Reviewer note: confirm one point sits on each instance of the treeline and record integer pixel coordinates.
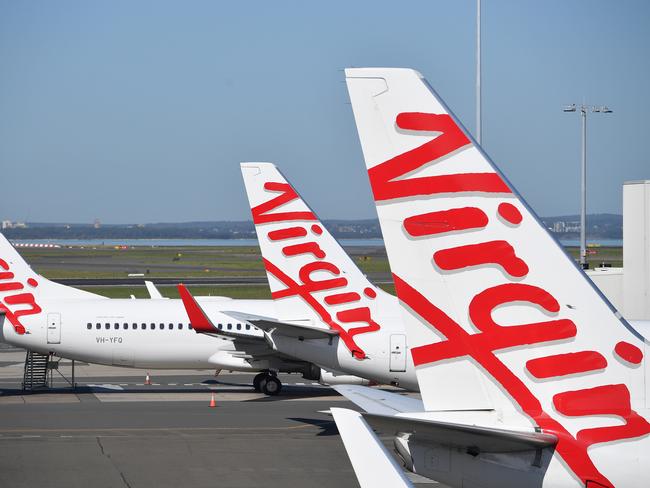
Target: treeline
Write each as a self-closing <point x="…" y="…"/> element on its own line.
<point x="606" y="226"/>
<point x="185" y="230"/>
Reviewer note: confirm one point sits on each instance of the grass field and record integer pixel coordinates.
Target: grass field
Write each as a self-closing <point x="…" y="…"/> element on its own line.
<point x="189" y="262"/>
<point x="242" y="291"/>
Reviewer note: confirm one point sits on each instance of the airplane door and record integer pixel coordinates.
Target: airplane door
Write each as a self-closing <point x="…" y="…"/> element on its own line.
<point x="53" y="328"/>
<point x="398" y="352"/>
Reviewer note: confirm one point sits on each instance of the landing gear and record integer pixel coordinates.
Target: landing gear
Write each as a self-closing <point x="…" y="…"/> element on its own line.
<point x="258" y="380"/>
<point x="271" y="385"/>
<point x="267" y="383"/>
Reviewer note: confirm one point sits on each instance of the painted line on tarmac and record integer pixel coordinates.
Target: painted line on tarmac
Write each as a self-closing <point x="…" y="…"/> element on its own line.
<point x="315" y="425"/>
<point x="106" y="386"/>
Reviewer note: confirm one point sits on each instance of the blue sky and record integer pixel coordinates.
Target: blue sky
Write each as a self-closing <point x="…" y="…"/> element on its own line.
<point x="141" y="111"/>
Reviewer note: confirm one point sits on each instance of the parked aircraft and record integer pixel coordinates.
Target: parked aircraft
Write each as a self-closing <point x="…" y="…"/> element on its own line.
<point x="327" y="321"/>
<point x="46" y="317"/>
<point x="528" y="376"/>
<point x="326" y="310"/>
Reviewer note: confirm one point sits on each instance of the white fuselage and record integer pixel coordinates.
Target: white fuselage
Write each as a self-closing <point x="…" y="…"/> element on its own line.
<point x="124" y="332"/>
<point x="155" y="333"/>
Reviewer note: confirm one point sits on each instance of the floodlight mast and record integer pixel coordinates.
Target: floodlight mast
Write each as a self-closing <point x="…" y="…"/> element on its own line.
<point x="583" y="173"/>
<point x="479" y="124"/>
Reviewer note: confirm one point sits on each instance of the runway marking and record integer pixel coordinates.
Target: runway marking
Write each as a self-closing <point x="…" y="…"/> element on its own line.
<point x="165" y="429"/>
<point x="107" y="386"/>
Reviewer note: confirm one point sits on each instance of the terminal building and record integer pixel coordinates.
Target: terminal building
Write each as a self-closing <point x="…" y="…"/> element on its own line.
<point x="628" y="288"/>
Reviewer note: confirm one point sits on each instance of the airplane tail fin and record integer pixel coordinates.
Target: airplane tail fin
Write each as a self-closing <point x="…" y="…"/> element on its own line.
<point x="485" y="288"/>
<point x="311" y="276"/>
<point x="21" y="289"/>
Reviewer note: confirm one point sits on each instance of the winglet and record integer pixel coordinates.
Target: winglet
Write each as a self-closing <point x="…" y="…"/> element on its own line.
<point x="199" y="320"/>
<point x="372" y="463"/>
<point x="153" y="291"/>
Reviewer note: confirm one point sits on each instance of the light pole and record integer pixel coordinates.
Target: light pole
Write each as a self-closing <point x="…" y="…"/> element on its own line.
<point x="478" y="72"/>
<point x="583" y="174"/>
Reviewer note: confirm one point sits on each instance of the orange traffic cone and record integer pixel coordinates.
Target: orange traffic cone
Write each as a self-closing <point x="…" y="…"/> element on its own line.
<point x="147" y="380"/>
<point x="212" y="402"/>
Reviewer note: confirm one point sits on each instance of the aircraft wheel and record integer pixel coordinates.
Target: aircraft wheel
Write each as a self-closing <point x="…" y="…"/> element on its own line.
<point x="257" y="381"/>
<point x="270" y="385"/>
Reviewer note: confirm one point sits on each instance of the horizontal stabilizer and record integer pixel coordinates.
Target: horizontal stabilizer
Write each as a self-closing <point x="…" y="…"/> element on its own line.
<point x="372" y="463"/>
<point x="475" y="437"/>
<point x="284" y="328"/>
<point x="379" y="402"/>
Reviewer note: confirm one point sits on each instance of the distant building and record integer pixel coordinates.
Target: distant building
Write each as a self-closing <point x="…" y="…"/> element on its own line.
<point x="559" y="227"/>
<point x="628" y="288"/>
<point x="8" y="224"/>
<point x="571" y="226"/>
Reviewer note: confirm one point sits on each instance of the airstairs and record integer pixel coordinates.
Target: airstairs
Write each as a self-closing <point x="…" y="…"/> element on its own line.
<point x="39" y="371"/>
<point x="36" y="370"/>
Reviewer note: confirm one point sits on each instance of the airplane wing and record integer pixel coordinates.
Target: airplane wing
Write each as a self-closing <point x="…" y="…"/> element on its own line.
<point x="297" y="331"/>
<point x="475" y="437"/>
<point x="372" y="463"/>
<point x="153" y="291"/>
<point x="376" y="401"/>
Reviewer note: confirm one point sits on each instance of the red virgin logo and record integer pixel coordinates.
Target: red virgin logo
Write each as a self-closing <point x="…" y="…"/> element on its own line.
<point x="390" y="182"/>
<point x="14" y="301"/>
<point x="304" y="242"/>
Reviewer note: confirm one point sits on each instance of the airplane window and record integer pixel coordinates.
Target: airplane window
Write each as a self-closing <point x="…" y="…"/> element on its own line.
<point x="189" y="326"/>
<point x="143" y="326"/>
<point x="248" y="327"/>
<point x="238" y="326"/>
<point x="98" y="326"/>
<point x="153" y="326"/>
<point x="135" y="326"/>
<point x="89" y="325"/>
<point x="171" y="326"/>
<point x="229" y="326"/>
<point x="107" y="326"/>
<point x="117" y="326"/>
<point x="125" y="326"/>
<point x="180" y="326"/>
<point x="220" y="326"/>
<point x="162" y="326"/>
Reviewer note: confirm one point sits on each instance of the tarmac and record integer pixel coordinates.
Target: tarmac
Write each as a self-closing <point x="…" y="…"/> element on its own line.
<point x="114" y="430"/>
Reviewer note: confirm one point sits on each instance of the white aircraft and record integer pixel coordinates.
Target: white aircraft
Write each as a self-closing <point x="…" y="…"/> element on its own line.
<point x="326" y="310"/>
<point x="49" y="318"/>
<point x="528" y="376"/>
<point x="327" y="321"/>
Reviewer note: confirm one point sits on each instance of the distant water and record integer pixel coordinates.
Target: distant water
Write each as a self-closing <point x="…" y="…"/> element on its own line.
<point x="242" y="242"/>
<point x="175" y="242"/>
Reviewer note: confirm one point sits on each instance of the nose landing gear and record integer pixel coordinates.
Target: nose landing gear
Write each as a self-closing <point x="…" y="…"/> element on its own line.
<point x="268" y="383"/>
